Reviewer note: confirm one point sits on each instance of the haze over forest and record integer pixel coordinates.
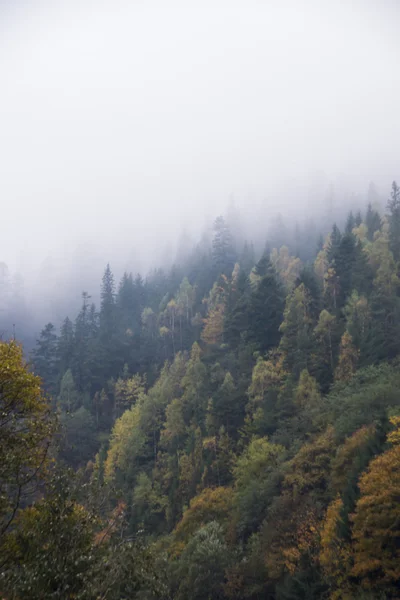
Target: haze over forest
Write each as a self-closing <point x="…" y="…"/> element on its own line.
<point x="126" y="126"/>
<point x="199" y="300"/>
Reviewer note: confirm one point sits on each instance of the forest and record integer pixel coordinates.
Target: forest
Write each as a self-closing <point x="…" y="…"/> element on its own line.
<point x="228" y="428"/>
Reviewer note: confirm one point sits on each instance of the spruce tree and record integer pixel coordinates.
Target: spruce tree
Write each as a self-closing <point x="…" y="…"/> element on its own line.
<point x="372" y="221"/>
<point x="44" y="358"/>
<point x="394" y="221"/>
<point x="222" y="248"/>
<point x="65" y="346"/>
<point x="266" y="307"/>
<point x="107" y="305"/>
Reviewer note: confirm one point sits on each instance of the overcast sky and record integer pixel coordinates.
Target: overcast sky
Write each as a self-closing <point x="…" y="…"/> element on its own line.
<point x="122" y="121"/>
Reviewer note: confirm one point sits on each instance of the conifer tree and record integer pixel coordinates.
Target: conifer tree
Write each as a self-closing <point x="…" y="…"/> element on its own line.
<point x="65" y="345"/>
<point x="44" y="358"/>
<point x="296" y="330"/>
<point x="222" y="248"/>
<point x="107" y="305"/>
<point x="266" y="307"/>
<point x="394" y="221"/>
<point x="348" y="359"/>
<point x="372" y="221"/>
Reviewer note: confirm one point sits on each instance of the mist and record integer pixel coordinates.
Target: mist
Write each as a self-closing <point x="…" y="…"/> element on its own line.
<point x="125" y="124"/>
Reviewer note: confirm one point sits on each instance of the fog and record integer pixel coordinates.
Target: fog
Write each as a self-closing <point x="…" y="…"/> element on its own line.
<point x="124" y="123"/>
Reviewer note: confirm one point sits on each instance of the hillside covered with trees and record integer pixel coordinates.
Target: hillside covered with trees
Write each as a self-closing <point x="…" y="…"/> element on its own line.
<point x="229" y="429"/>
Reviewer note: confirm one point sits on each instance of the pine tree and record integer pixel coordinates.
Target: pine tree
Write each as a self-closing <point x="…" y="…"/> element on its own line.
<point x="222" y="248"/>
<point x="372" y="221"/>
<point x="325" y="337"/>
<point x="126" y="304"/>
<point x="81" y="366"/>
<point x="266" y="307"/>
<point x="394" y="221"/>
<point x="334" y="243"/>
<point x="44" y="358"/>
<point x="348" y="359"/>
<point x="296" y="330"/>
<point x="107" y="305"/>
<point x="227" y="407"/>
<point x="68" y="399"/>
<point x="247" y="258"/>
<point x="237" y="311"/>
<point x="350" y="223"/>
<point x="65" y="346"/>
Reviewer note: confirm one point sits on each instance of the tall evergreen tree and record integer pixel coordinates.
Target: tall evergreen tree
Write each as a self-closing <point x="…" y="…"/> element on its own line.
<point x="296" y="329"/>
<point x="44" y="358"/>
<point x="247" y="258"/>
<point x="107" y="304"/>
<point x="65" y="346"/>
<point x="81" y="367"/>
<point x="266" y="307"/>
<point x="394" y="221"/>
<point x="222" y="248"/>
<point x="236" y="316"/>
<point x="372" y="221"/>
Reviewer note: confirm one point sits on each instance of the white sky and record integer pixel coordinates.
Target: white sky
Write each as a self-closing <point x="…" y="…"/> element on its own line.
<point x="121" y="121"/>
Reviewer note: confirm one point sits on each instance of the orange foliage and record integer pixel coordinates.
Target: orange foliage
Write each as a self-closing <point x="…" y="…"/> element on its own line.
<point x="376" y="530"/>
<point x="210" y="505"/>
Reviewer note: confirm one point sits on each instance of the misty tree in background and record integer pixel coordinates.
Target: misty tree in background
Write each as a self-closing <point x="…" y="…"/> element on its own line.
<point x="372" y="221"/>
<point x="223" y="252"/>
<point x="247" y="257"/>
<point x="44" y="357"/>
<point x="394" y="221"/>
<point x="66" y="345"/>
<point x="107" y="305"/>
<point x="81" y="366"/>
<point x="68" y="398"/>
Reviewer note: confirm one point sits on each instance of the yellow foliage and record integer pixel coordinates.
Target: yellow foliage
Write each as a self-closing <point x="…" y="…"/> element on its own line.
<point x="214" y="325"/>
<point x="394" y="436"/>
<point x="335" y="553"/>
<point x="310" y="468"/>
<point x="348" y="359"/>
<point x="287" y="266"/>
<point x="307" y="393"/>
<point x="346" y="454"/>
<point x="126" y="440"/>
<point x="210" y="505"/>
<point x="291" y="532"/>
<point x="266" y="374"/>
<point x="26" y="428"/>
<point x="376" y="524"/>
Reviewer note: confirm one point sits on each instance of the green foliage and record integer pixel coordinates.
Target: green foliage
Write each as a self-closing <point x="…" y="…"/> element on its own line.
<point x="79" y="441"/>
<point x="53" y="543"/>
<point x="266" y="307"/>
<point x="176" y="383"/>
<point x="26" y="427"/>
<point x="200" y="573"/>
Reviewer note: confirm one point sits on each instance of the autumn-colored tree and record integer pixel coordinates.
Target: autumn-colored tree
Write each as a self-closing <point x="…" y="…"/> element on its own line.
<point x="335" y="555"/>
<point x="267" y="381"/>
<point x="26" y="428"/>
<point x="348" y="359"/>
<point x="209" y="505"/>
<point x="214" y="326"/>
<point x="352" y="457"/>
<point x="376" y="524"/>
<point x="310" y="468"/>
<point x="287" y="266"/>
<point x="127" y="392"/>
<point x="296" y="330"/>
<point x="307" y="394"/>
